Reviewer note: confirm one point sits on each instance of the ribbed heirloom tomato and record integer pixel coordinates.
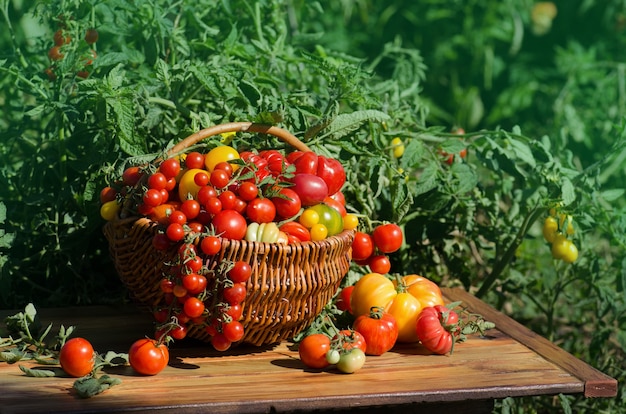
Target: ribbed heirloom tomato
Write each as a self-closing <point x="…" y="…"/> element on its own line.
<point x="379" y="329"/>
<point x="437" y="329"/>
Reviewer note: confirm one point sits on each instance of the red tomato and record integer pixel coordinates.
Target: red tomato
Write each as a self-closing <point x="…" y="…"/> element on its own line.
<point x="131" y="176"/>
<point x="211" y="245"/>
<point x="233" y="331"/>
<point x="331" y="171"/>
<point x="343" y="301"/>
<point x="379" y="329"/>
<point x="148" y="357"/>
<point x="362" y="246"/>
<point x="248" y="191"/>
<point x="437" y="328"/>
<point x="287" y="203"/>
<point x="170" y="167"/>
<point x="194" y="160"/>
<point x="294" y="228"/>
<point x="305" y="163"/>
<point x="388" y="237"/>
<point x="261" y="210"/>
<point x="350" y="339"/>
<point x="313" y="349"/>
<point x="230" y="224"/>
<point x="240" y="272"/>
<point x="193" y="307"/>
<point x="220" y="342"/>
<point x="107" y="194"/>
<point x="235" y="294"/>
<point x="311" y="189"/>
<point x="379" y="264"/>
<point x="77" y="357"/>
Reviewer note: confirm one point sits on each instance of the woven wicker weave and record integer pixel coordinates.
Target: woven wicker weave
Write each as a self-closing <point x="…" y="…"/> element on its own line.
<point x="290" y="284"/>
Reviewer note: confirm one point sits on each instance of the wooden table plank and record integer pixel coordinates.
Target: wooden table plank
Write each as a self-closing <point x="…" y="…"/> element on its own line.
<point x="597" y="384"/>
<point x="272" y="379"/>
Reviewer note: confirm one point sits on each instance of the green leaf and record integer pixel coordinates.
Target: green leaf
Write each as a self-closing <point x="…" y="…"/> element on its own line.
<point x="343" y="124"/>
<point x="413" y="153"/>
<point x="11" y="356"/>
<point x="568" y="192"/>
<point x="427" y="180"/>
<point x="613" y="194"/>
<point x="89" y="386"/>
<point x="523" y="151"/>
<point x="39" y="373"/>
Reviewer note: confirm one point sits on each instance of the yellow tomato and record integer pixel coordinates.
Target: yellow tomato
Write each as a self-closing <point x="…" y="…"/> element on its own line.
<point x="309" y="218"/>
<point x="223" y="153"/>
<point x="425" y="290"/>
<point x="405" y="308"/>
<point x="187" y="187"/>
<point x="371" y="290"/>
<point x="109" y="210"/>
<point x="318" y="232"/>
<point x="350" y="221"/>
<point x="398" y="147"/>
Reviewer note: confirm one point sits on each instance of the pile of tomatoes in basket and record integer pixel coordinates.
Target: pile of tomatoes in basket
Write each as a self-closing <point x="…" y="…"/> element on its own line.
<point x="197" y="200"/>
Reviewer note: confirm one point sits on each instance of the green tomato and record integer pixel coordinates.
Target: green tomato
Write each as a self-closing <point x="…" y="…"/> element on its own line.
<point x="329" y="217"/>
<point x="351" y="361"/>
<point x="333" y="356"/>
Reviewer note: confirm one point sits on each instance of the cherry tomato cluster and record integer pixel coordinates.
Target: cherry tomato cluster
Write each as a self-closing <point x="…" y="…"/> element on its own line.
<point x="450" y="158"/>
<point x="557" y="228"/>
<point x="346" y="350"/>
<point x="372" y="249"/>
<point x="63" y="40"/>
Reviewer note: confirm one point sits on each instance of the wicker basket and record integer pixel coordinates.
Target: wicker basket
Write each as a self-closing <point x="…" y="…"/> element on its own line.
<point x="290" y="284"/>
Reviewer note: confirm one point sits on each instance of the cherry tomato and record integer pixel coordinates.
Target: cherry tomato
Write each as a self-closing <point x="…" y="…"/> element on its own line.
<point x="55" y="53"/>
<point x="193" y="307"/>
<point x="312" y="350"/>
<point x="362" y="246"/>
<point x="287" y="203"/>
<point x="235" y="294"/>
<point x="240" y="272"/>
<point x="379" y="264"/>
<point x="318" y="232"/>
<point x="194" y="159"/>
<point x="152" y="197"/>
<point x="230" y="224"/>
<point x="158" y="181"/>
<point x="329" y="217"/>
<point x="148" y="357"/>
<point x="107" y="194"/>
<point x="77" y="357"/>
<point x="379" y="329"/>
<point x="388" y="237"/>
<point x="248" y="191"/>
<point x="211" y="245"/>
<point x="350" y="221"/>
<point x="309" y="218"/>
<point x="222" y="153"/>
<point x="397" y="147"/>
<point x="550" y="229"/>
<point x="131" y="176"/>
<point x="109" y="210"/>
<point x="233" y="331"/>
<point x="170" y="167"/>
<point x="343" y="300"/>
<point x="261" y="210"/>
<point x="349" y="339"/>
<point x="175" y="232"/>
<point x="220" y="342"/>
<point x="351" y="361"/>
<point x="91" y="36"/>
<point x="190" y="208"/>
<point x="219" y="178"/>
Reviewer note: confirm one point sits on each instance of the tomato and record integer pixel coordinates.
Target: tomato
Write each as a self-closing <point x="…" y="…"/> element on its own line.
<point x="397" y="147"/>
<point x="331" y="202"/>
<point x="311" y="189"/>
<point x="404" y="302"/>
<point x="195" y="284"/>
<point x="294" y="228"/>
<point x="230" y="224"/>
<point x="350" y="221"/>
<point x="261" y="210"/>
<point x="379" y="329"/>
<point x="175" y="232"/>
<point x="193" y="307"/>
<point x="329" y="217"/>
<point x="190" y="208"/>
<point x="228" y="199"/>
<point x="219" y="178"/>
<point x="312" y="350"/>
<point x="564" y="249"/>
<point x="170" y="167"/>
<point x="187" y="187"/>
<point x="158" y="181"/>
<point x="352" y="361"/>
<point x="148" y="357"/>
<point x="304" y="162"/>
<point x="362" y="246"/>
<point x="388" y="237"/>
<point x="379" y="264"/>
<point x="109" y="210"/>
<point x="240" y="272"/>
<point x="331" y="171"/>
<point x="222" y="153"/>
<point x="348" y="339"/>
<point x="61" y="38"/>
<point x="131" y="176"/>
<point x="309" y="218"/>
<point x="248" y="191"/>
<point x="152" y="197"/>
<point x="77" y="357"/>
<point x="343" y="300"/>
<point x="550" y="229"/>
<point x="235" y="294"/>
<point x="233" y="331"/>
<point x="318" y="232"/>
<point x="55" y="53"/>
<point x="211" y="245"/>
<point x="287" y="203"/>
<point x="437" y="329"/>
<point x="220" y="342"/>
<point x="91" y="36"/>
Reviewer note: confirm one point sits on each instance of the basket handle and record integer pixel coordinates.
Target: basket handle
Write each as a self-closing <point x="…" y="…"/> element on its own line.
<point x="280" y="133"/>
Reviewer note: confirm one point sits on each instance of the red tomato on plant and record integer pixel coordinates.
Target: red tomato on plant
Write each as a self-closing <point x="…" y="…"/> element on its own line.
<point x="437" y="328"/>
<point x="313" y="349"/>
<point x="77" y="357"/>
<point x="148" y="357"/>
<point x="388" y="237"/>
<point x="379" y="264"/>
<point x="379" y="329"/>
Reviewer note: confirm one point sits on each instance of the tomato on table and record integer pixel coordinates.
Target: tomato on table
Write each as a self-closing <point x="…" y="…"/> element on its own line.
<point x="77" y="357"/>
<point x="148" y="356"/>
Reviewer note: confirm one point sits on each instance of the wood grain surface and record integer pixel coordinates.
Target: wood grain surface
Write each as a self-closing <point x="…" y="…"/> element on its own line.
<point x="509" y="361"/>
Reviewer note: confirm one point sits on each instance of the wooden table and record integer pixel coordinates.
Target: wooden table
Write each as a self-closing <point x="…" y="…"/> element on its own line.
<point x="511" y="361"/>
